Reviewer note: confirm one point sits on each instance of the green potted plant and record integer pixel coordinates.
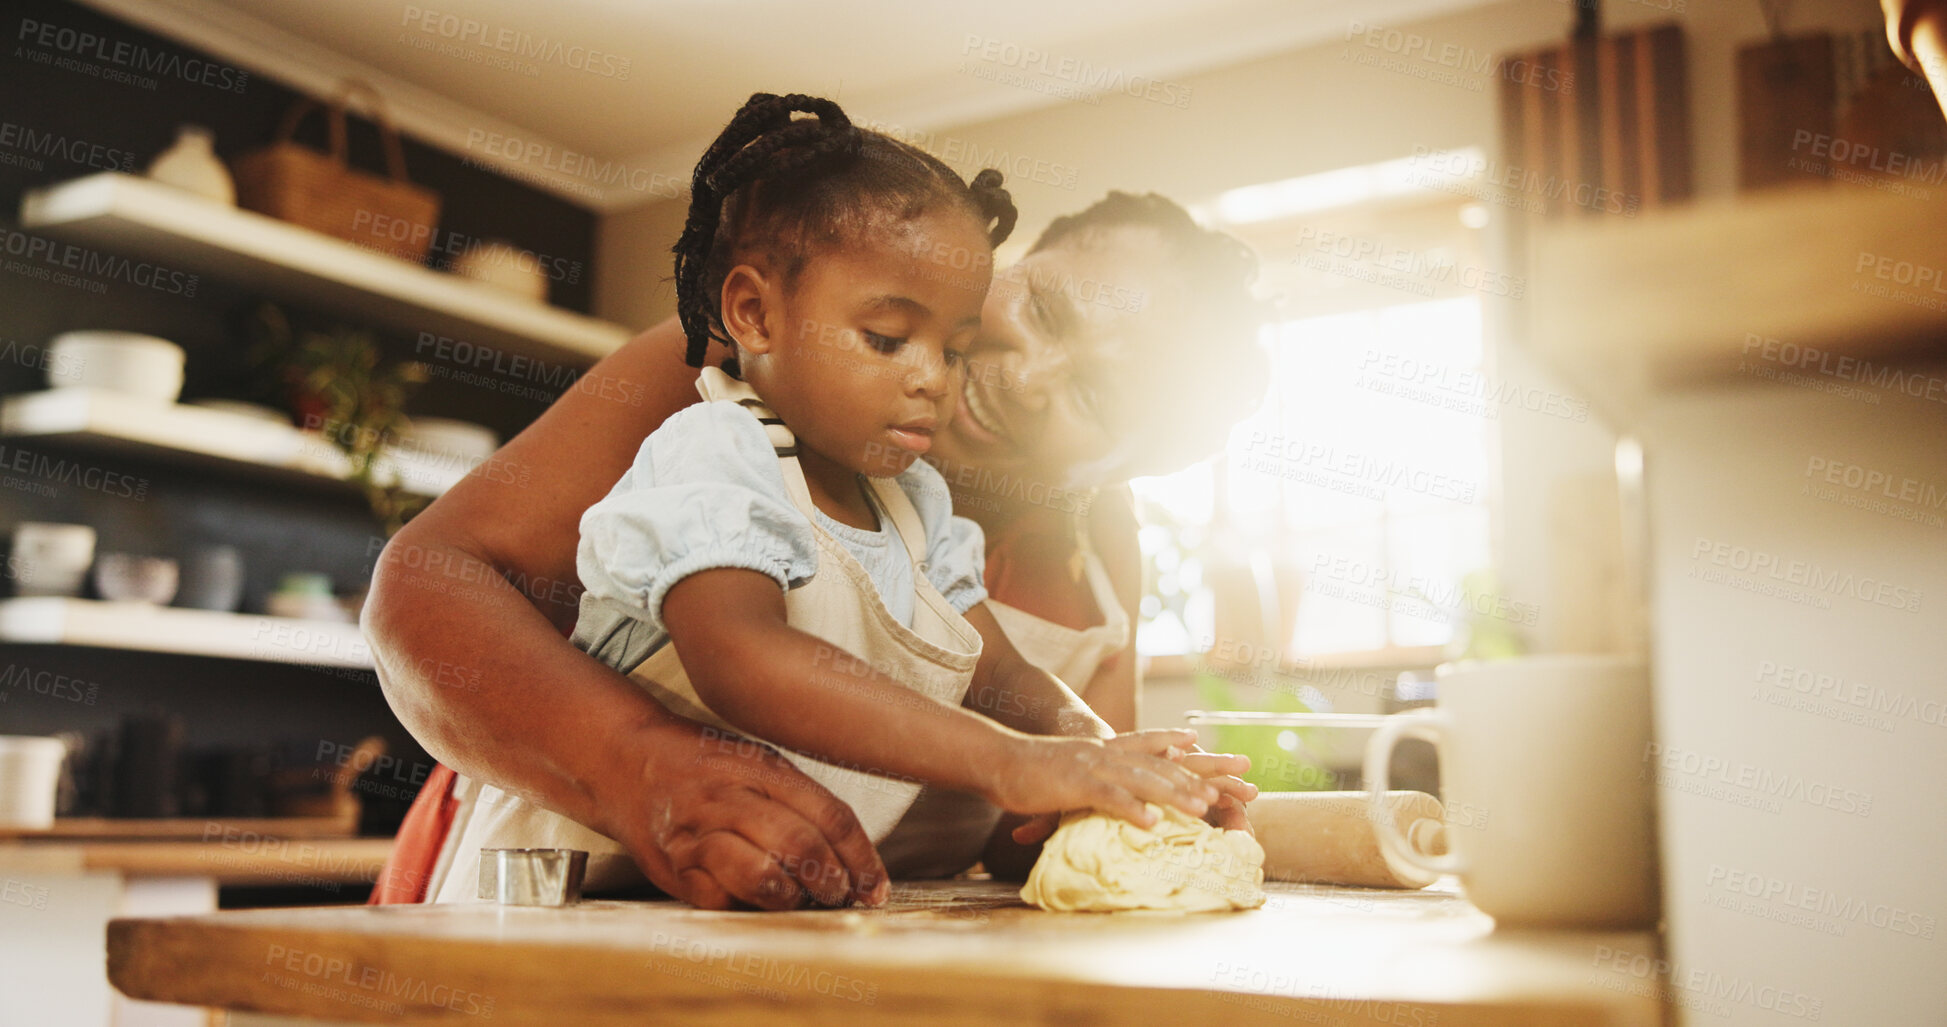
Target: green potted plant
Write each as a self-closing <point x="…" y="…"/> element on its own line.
<point x="337" y="382"/>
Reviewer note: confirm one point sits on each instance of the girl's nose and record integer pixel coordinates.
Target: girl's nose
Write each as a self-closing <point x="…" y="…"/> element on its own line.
<point x="930" y="374"/>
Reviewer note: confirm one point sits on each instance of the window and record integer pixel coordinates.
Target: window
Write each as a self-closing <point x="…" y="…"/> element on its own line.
<point x="1349" y="513"/>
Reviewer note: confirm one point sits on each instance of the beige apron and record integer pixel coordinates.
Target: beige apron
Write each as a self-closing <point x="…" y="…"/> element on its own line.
<point x="946" y="831"/>
<point x="840" y="604"/>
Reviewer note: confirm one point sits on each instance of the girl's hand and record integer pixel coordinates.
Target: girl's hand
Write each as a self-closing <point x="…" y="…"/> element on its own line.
<point x="1226" y="771"/>
<point x="1118" y="776"/>
<point x="1220" y="769"/>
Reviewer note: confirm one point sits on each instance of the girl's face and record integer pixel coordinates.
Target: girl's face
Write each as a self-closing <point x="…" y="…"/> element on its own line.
<point x="1071" y="362"/>
<point x="862" y="356"/>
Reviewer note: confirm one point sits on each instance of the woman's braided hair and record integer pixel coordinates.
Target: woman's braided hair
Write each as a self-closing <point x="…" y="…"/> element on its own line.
<point x="781" y="187"/>
<point x="1217" y="268"/>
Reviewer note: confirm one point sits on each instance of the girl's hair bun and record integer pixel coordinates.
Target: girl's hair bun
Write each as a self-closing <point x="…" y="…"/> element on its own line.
<point x="995" y="203"/>
<point x="780" y="186"/>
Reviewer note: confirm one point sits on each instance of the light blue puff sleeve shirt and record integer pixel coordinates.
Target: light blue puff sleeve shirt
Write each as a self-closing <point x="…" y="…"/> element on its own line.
<point x="706" y="491"/>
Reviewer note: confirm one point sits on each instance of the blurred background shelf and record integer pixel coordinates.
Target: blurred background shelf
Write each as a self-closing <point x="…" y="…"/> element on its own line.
<point x="1690" y="295"/>
<point x="127" y="214"/>
<point x="182" y="829"/>
<point x="115" y="424"/>
<point x="321" y="861"/>
<point x="49" y="620"/>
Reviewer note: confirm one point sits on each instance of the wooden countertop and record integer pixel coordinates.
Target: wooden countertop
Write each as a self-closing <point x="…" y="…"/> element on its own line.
<point x="949" y="952"/>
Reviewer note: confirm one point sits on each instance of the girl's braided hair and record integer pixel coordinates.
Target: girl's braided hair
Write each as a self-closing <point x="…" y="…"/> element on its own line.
<point x="781" y="186"/>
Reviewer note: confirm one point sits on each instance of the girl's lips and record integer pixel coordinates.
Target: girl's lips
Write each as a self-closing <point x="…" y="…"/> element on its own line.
<point x="919" y="440"/>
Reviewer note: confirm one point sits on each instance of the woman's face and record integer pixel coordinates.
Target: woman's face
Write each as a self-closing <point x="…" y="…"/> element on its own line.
<point x="1070" y="363"/>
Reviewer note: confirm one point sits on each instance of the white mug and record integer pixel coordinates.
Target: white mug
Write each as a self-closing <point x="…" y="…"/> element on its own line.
<point x="30" y="779"/>
<point x="1549" y="817"/>
<point x="51" y="559"/>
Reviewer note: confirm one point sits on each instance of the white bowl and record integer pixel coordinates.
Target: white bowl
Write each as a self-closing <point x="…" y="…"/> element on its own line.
<point x="124" y="362"/>
<point x="51" y="559"/>
<point x="445" y="436"/>
<point x="128" y="578"/>
<point x="506" y="267"/>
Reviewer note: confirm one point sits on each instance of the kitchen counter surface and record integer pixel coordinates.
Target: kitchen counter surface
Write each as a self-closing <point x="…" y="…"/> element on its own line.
<point x="948" y="952"/>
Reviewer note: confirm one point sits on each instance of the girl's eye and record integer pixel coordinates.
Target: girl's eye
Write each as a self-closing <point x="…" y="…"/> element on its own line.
<point x="883" y="343"/>
<point x="955" y="358"/>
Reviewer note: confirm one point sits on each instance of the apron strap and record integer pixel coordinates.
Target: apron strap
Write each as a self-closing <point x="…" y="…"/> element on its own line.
<point x="714" y="385"/>
<point x="894" y="502"/>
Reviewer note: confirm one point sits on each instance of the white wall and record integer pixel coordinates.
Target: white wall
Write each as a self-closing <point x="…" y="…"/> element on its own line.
<point x="634" y="265"/>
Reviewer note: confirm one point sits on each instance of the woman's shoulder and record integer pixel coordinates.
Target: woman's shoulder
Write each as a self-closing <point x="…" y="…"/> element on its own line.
<point x="1111" y="520"/>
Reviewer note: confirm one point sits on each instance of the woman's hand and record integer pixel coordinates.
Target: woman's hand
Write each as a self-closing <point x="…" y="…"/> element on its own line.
<point x="1118" y="776"/>
<point x="1223" y="770"/>
<point x="717" y="820"/>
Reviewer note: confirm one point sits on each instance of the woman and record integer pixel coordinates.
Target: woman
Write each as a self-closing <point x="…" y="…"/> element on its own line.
<point x="1093" y="349"/>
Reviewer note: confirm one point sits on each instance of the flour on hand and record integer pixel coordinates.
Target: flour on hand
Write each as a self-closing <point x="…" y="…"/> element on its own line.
<point x="1098" y="863"/>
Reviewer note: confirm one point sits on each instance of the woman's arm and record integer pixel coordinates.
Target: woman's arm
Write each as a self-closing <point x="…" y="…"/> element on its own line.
<point x="1021" y="695"/>
<point x="793" y="689"/>
<point x="466" y="615"/>
<point x="1113" y="692"/>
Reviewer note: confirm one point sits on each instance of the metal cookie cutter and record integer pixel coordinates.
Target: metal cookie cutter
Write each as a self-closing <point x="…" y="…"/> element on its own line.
<point x="532" y="877"/>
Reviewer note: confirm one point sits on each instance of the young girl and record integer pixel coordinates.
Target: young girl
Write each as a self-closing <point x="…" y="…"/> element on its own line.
<point x="779" y="563"/>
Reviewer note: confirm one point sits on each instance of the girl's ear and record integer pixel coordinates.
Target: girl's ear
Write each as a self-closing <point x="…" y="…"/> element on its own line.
<point x="749" y="302"/>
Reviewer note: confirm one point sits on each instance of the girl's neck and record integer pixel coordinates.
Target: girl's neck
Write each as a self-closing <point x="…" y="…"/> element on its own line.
<point x="836" y="490"/>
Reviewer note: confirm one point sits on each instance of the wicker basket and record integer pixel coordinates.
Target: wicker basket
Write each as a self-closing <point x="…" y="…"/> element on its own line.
<point x="321" y="192"/>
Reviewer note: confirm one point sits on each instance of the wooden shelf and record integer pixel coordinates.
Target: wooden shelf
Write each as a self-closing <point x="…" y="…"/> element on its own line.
<point x="1624" y="308"/>
<point x="127" y="214"/>
<point x="50" y="620"/>
<point x="253" y="860"/>
<point x="122" y="425"/>
<point x="178" y="829"/>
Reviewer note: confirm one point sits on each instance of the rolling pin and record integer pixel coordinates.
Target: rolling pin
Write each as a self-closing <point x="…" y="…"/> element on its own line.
<point x="1329" y="837"/>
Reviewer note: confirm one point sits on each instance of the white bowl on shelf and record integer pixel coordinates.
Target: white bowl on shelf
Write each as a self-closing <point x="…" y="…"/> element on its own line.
<point x="125" y="362"/>
<point x="506" y="267"/>
<point x="446" y="437"/>
<point x="132" y="578"/>
<point x="51" y="559"/>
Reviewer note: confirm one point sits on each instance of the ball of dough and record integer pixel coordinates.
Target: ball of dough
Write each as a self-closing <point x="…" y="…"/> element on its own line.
<point x="1098" y="863"/>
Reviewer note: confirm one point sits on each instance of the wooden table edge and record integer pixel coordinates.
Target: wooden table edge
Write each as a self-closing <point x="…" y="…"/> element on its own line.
<point x="191" y="961"/>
